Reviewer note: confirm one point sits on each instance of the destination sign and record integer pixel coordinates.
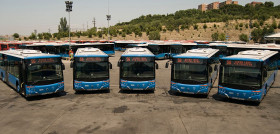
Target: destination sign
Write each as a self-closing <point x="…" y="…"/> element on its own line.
<point x="45" y="60"/>
<point x="138" y="59"/>
<point x="189" y="60"/>
<point x="240" y="63"/>
<point x="92" y="59"/>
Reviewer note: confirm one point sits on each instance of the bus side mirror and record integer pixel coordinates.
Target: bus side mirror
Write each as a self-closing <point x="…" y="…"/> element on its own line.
<point x="265" y="73"/>
<point x="216" y="68"/>
<point x="156" y="66"/>
<point x="71" y="65"/>
<point x="166" y="64"/>
<point x="63" y="66"/>
<point x="119" y="63"/>
<point x="110" y="65"/>
<point x="210" y="69"/>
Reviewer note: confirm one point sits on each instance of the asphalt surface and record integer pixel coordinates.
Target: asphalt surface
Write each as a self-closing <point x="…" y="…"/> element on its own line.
<point x="136" y="112"/>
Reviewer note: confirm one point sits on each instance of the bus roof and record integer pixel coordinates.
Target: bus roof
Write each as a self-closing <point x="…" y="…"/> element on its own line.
<point x="198" y="53"/>
<point x="138" y="51"/>
<point x="28" y="54"/>
<point x="94" y="44"/>
<point x="252" y="55"/>
<point x="90" y="52"/>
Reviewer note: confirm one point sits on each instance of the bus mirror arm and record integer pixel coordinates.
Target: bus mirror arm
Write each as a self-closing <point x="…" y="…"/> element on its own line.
<point x="119" y="62"/>
<point x="110" y="65"/>
<point x="156" y="65"/>
<point x="167" y="64"/>
<point x="63" y="66"/>
<point x="216" y="68"/>
<point x="71" y="65"/>
<point x="210" y="69"/>
<point x="265" y="73"/>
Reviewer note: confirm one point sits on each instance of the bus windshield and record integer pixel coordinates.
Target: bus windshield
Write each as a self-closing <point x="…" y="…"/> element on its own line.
<point x="154" y="49"/>
<point x="138" y="71"/>
<point x="92" y="71"/>
<point x="42" y="74"/>
<point x="190" y="73"/>
<point x="176" y="49"/>
<point x="245" y="78"/>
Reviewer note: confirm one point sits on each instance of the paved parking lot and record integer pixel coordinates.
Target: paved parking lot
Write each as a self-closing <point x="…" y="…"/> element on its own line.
<point x="136" y="112"/>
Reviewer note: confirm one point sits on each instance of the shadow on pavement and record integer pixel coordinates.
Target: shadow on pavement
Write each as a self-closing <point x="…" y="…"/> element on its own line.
<point x="136" y="91"/>
<point x="93" y="92"/>
<point x="47" y="96"/>
<point x="228" y="100"/>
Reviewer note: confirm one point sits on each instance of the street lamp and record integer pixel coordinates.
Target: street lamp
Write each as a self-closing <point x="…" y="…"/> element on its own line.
<point x="108" y="19"/>
<point x="69" y="9"/>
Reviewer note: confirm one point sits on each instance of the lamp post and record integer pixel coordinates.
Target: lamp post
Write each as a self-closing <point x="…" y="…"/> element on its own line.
<point x="69" y="9"/>
<point x="108" y="19"/>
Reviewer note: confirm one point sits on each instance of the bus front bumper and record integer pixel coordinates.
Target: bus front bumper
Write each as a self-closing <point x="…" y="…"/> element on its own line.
<point x="190" y="89"/>
<point x="44" y="89"/>
<point x="98" y="85"/>
<point x="137" y="85"/>
<point x="250" y="95"/>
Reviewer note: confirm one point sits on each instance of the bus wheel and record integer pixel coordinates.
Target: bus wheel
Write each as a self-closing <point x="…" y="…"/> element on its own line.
<point x="18" y="88"/>
<point x="265" y="90"/>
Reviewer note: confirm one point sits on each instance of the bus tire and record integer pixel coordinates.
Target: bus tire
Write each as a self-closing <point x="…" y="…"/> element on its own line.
<point x="18" y="88"/>
<point x="265" y="90"/>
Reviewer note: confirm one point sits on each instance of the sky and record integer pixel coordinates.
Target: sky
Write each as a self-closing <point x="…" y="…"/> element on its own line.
<point x="25" y="16"/>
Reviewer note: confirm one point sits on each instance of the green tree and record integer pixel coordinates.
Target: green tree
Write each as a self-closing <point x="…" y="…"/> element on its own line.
<point x="204" y="26"/>
<point x="16" y="35"/>
<point x="47" y="36"/>
<point x="279" y="25"/>
<point x="241" y="25"/>
<point x="40" y="36"/>
<point x="222" y="37"/>
<point x="257" y="34"/>
<point x="32" y="36"/>
<point x="215" y="36"/>
<point x="269" y="4"/>
<point x="62" y="27"/>
<point x="154" y="35"/>
<point x="274" y="24"/>
<point x="247" y="25"/>
<point x="243" y="37"/>
<point x="123" y="34"/>
<point x="195" y="27"/>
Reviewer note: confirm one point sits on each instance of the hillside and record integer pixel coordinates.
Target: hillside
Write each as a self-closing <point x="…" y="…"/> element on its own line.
<point x="230" y="21"/>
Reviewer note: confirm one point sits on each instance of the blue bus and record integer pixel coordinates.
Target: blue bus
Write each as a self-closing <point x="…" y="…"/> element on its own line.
<point x="142" y="45"/>
<point x="91" y="70"/>
<point x="175" y="49"/>
<point x="248" y="75"/>
<point x="233" y="49"/>
<point x="195" y="71"/>
<point x="160" y="50"/>
<point x="61" y="49"/>
<point x="31" y="72"/>
<point x="107" y="48"/>
<point x="122" y="45"/>
<point x="137" y="69"/>
<point x="221" y="47"/>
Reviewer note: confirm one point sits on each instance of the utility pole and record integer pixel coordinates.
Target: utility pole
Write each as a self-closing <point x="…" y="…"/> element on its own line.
<point x="94" y="22"/>
<point x="108" y="19"/>
<point x="69" y="9"/>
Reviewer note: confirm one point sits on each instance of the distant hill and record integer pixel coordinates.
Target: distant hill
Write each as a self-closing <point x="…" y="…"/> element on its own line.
<point x="227" y="23"/>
